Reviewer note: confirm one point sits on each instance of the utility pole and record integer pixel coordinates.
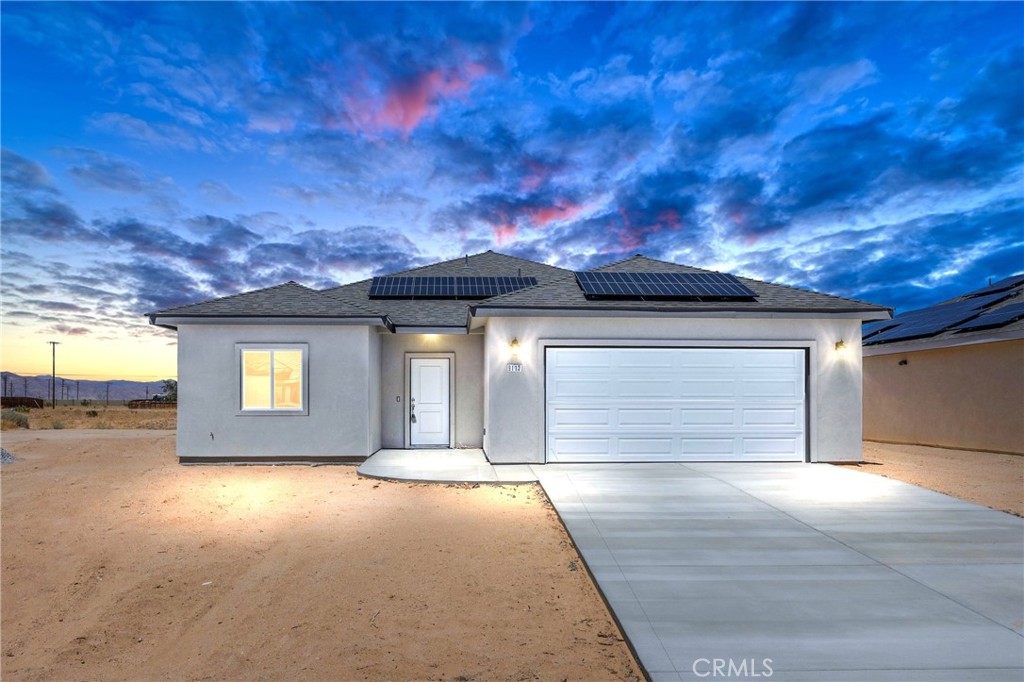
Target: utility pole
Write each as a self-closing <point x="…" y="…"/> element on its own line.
<point x="63" y="393"/>
<point x="78" y="383"/>
<point x="5" y="385"/>
<point x="108" y="394"/>
<point x="53" y="375"/>
<point x="24" y="386"/>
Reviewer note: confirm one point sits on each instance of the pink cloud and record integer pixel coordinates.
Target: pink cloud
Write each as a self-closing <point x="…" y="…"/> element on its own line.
<point x="505" y="233"/>
<point x="404" y="104"/>
<point x="542" y="215"/>
<point x="537" y="173"/>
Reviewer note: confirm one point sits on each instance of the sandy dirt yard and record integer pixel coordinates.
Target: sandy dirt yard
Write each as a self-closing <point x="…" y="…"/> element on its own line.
<point x="120" y="564"/>
<point x="988" y="478"/>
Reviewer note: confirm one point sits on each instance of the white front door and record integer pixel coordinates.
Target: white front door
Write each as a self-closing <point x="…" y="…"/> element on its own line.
<point x="429" y="403"/>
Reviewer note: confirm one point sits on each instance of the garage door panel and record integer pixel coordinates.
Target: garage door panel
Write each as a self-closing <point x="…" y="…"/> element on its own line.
<point x="646" y="417"/>
<point x="586" y="418"/>
<point x="708" y="448"/>
<point x="769" y="446"/>
<point x="781" y="389"/>
<point x="656" y="360"/>
<point x="704" y="358"/>
<point x="646" y="390"/>
<point x="706" y="388"/>
<point x="582" y="446"/>
<point x="569" y="389"/>
<point x="700" y="417"/>
<point x="791" y="417"/>
<point x="582" y="358"/>
<point x="652" y="448"/>
<point x="675" y="404"/>
<point x="770" y="359"/>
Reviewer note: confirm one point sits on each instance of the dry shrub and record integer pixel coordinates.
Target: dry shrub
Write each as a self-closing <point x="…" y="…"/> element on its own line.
<point x="113" y="417"/>
<point x="13" y="419"/>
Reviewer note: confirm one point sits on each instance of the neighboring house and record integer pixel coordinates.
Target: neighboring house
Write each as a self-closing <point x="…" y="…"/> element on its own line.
<point x="640" y="360"/>
<point x="950" y="375"/>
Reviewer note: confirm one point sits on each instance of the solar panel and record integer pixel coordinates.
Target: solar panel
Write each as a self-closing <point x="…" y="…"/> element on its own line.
<point x="446" y="286"/>
<point x="937" y="318"/>
<point x="995" y="318"/>
<point x="869" y="329"/>
<point x="1001" y="285"/>
<point x="662" y="285"/>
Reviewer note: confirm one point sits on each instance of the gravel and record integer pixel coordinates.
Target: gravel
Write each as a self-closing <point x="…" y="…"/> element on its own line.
<point x="6" y="457"/>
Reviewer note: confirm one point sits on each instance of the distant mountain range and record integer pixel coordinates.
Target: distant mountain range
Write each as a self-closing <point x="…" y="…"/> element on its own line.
<point x="77" y="389"/>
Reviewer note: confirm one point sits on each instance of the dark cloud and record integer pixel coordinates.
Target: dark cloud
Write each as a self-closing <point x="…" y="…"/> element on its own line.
<point x="93" y="169"/>
<point x="219" y="192"/>
<point x="58" y="306"/>
<point x="23" y="175"/>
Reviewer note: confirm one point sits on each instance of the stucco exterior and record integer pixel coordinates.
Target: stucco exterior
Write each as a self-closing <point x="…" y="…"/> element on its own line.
<point x="515" y="401"/>
<point x="966" y="396"/>
<point x="467" y="406"/>
<point x="343" y="394"/>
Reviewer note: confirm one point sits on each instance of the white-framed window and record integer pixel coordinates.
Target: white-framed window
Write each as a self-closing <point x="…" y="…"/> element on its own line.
<point x="273" y="378"/>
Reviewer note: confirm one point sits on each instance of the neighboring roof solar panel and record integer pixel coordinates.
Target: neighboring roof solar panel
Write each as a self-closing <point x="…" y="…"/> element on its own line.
<point x="869" y="329"/>
<point x="994" y="318"/>
<point x="1001" y="285"/>
<point x="446" y="286"/>
<point x="937" y="318"/>
<point x="663" y="285"/>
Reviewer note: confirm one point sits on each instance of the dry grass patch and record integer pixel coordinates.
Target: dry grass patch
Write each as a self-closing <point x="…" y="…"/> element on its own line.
<point x="96" y="416"/>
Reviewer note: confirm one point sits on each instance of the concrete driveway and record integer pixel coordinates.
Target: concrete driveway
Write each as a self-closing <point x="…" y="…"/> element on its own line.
<point x="797" y="572"/>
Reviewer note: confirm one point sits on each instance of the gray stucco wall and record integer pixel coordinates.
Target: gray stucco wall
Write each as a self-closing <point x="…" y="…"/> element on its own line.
<point x="342" y="386"/>
<point x="515" y="401"/>
<point x="469" y="392"/>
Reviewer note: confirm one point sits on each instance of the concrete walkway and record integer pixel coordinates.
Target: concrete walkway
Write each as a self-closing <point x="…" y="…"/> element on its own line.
<point x="797" y="572"/>
<point x="443" y="466"/>
<point x="803" y="572"/>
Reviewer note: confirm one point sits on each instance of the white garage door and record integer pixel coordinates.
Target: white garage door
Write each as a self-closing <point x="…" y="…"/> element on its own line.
<point x="675" y="404"/>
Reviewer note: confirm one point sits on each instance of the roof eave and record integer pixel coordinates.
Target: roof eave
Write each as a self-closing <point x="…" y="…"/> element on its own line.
<point x="864" y="314"/>
<point x="955" y="341"/>
<point x="173" y="321"/>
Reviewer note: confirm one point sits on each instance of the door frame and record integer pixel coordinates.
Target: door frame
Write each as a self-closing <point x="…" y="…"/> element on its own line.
<point x="450" y="356"/>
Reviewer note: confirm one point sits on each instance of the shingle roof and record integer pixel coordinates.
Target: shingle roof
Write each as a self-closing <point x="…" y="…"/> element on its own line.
<point x="565" y="293"/>
<point x="556" y="289"/>
<point x="284" y="300"/>
<point x="878" y="340"/>
<point x="440" y="312"/>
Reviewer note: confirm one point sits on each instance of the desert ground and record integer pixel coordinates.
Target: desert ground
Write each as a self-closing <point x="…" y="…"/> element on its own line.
<point x="987" y="478"/>
<point x="120" y="564"/>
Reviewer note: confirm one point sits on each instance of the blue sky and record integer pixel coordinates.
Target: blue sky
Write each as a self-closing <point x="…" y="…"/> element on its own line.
<point x="161" y="153"/>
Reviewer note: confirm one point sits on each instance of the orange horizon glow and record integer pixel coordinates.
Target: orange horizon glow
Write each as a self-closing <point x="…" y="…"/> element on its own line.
<point x="128" y="355"/>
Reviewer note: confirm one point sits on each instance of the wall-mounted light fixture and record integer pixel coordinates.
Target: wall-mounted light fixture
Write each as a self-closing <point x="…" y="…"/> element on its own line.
<point x="514" y="365"/>
<point x="902" y="362"/>
<point x="841" y="347"/>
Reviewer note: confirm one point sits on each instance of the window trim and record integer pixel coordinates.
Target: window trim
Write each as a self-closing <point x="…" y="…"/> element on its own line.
<point x="239" y="379"/>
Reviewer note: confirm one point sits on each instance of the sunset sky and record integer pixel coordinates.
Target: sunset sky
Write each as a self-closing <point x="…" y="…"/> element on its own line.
<point x="156" y="154"/>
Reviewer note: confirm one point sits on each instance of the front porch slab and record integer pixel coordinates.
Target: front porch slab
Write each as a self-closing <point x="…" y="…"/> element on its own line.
<point x="443" y="466"/>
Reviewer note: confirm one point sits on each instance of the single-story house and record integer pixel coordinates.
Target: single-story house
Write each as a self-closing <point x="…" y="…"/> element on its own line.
<point x="951" y="374"/>
<point x="639" y="360"/>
